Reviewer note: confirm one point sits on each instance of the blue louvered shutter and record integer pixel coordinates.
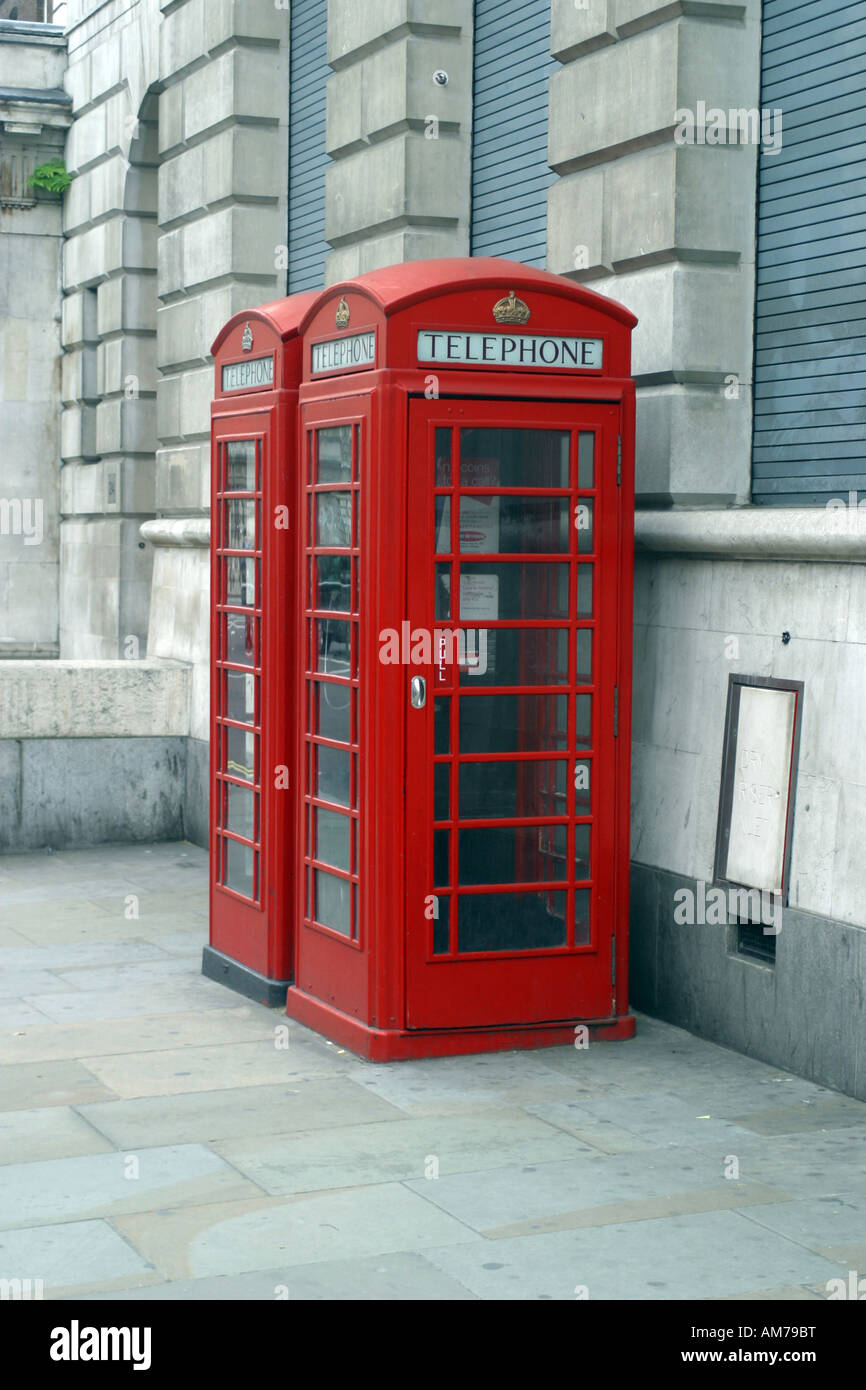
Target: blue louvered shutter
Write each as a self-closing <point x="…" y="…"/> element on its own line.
<point x="510" y="173"/>
<point x="810" y="328"/>
<point x="308" y="74"/>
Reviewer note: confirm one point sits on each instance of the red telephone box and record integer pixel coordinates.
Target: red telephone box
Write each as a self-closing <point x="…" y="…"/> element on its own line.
<point x="253" y="655"/>
<point x="463" y="630"/>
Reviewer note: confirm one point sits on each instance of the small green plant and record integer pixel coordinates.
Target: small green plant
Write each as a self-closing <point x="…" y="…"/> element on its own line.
<point x="51" y="176"/>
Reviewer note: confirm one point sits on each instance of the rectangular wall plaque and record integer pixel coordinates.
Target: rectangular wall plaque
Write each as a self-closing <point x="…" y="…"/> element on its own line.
<point x="759" y="768"/>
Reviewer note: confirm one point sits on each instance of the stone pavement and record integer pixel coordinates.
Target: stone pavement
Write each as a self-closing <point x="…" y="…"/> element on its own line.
<point x="156" y="1142"/>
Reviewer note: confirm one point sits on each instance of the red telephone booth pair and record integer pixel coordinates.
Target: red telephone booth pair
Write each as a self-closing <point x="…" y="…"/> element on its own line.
<point x="422" y="518"/>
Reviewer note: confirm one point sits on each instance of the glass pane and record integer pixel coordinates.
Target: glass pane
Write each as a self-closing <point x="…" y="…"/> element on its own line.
<point x="239" y="864"/>
<point x="241" y="466"/>
<point x="513" y="723"/>
<point x="441" y="919"/>
<point x="442" y="791"/>
<point x="240" y="581"/>
<point x="443" y="457"/>
<point x="517" y="656"/>
<point x="516" y="589"/>
<point x="583" y="517"/>
<point x="240" y="754"/>
<point x="510" y="921"/>
<point x="332" y="711"/>
<point x="581" y="851"/>
<point x="240" y="697"/>
<point x="334" y="520"/>
<point x="584" y="656"/>
<point x="333" y="653"/>
<point x="441" y="725"/>
<point x="584" y="719"/>
<point x="442" y="530"/>
<point x="331" y="842"/>
<point x="332" y="783"/>
<point x="514" y="458"/>
<point x="332" y="582"/>
<point x="581" y="917"/>
<point x="582" y="789"/>
<point x="441" y="860"/>
<point x="240" y="525"/>
<point x="240" y="639"/>
<point x="335" y="454"/>
<point x="513" y="525"/>
<point x="241" y="811"/>
<point x="585" y="458"/>
<point x="513" y="854"/>
<point x="584" y="591"/>
<point x="443" y="591"/>
<point x="490" y="791"/>
<point x="332" y="902"/>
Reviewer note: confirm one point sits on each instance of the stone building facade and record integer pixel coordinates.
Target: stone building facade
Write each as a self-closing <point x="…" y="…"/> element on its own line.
<point x="178" y="216"/>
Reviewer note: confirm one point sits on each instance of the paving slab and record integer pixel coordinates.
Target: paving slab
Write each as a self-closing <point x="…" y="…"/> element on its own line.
<point x="106" y="1184"/>
<point x="79" y="1005"/>
<point x="49" y="1083"/>
<point x="234" y="1023"/>
<point x="232" y="1238"/>
<point x="400" y="1277"/>
<point x="449" y="1085"/>
<point x="76" y="955"/>
<point x="228" y="1065"/>
<point x="355" y="1155"/>
<point x="705" y="1256"/>
<point x="72" y="1258"/>
<point x="312" y="1103"/>
<point x="52" y="1132"/>
<point x="820" y="1223"/>
<point x="501" y="1197"/>
<point x="16" y="1014"/>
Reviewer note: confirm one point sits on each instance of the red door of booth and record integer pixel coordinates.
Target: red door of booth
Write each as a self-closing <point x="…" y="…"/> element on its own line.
<point x="513" y="538"/>
<point x="239" y="639"/>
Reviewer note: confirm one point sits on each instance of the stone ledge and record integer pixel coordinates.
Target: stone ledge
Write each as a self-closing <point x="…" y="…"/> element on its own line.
<point x="187" y="531"/>
<point x="94" y="699"/>
<point x="757" y="533"/>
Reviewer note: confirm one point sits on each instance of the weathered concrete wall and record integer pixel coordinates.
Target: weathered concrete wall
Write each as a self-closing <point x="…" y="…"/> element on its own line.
<point x="398" y="189"/>
<point x="667" y="228"/>
<point x="34" y="116"/>
<point x="805" y="1013"/>
<point x="71" y="792"/>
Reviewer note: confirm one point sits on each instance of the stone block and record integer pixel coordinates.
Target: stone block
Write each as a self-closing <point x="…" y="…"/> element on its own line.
<point x="353" y="28"/>
<point x="179" y="334"/>
<point x="183" y="474"/>
<point x="85" y="143"/>
<point x="78" y="433"/>
<point x="169" y="252"/>
<point x="242" y="163"/>
<point x="231" y="241"/>
<point x="244" y="19"/>
<point x="128" y="301"/>
<point x="378" y="184"/>
<point x="576" y="223"/>
<point x="579" y="29"/>
<point x="181" y="186"/>
<point x="171" y="118"/>
<point x="195" y="400"/>
<point x="182" y="38"/>
<point x="105" y="65"/>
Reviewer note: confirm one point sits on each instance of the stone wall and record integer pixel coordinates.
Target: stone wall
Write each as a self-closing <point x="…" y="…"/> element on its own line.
<point x="34" y="116"/>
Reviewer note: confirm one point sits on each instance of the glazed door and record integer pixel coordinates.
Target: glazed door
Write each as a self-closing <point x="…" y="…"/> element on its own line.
<point x="513" y="534"/>
<point x="239" y="659"/>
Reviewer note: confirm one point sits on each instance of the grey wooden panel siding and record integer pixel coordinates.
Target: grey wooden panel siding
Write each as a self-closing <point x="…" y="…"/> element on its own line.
<point x="308" y="73"/>
<point x="810" y="331"/>
<point x="510" y="173"/>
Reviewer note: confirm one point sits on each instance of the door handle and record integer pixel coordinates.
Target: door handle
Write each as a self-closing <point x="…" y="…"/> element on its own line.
<point x="419" y="692"/>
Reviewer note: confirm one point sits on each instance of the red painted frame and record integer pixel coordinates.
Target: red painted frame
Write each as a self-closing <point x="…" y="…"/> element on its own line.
<point x="251" y="942"/>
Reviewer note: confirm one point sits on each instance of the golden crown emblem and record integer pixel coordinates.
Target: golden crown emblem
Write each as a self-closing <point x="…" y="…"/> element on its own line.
<point x="342" y="313"/>
<point x="247" y="339"/>
<point x="511" y="309"/>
